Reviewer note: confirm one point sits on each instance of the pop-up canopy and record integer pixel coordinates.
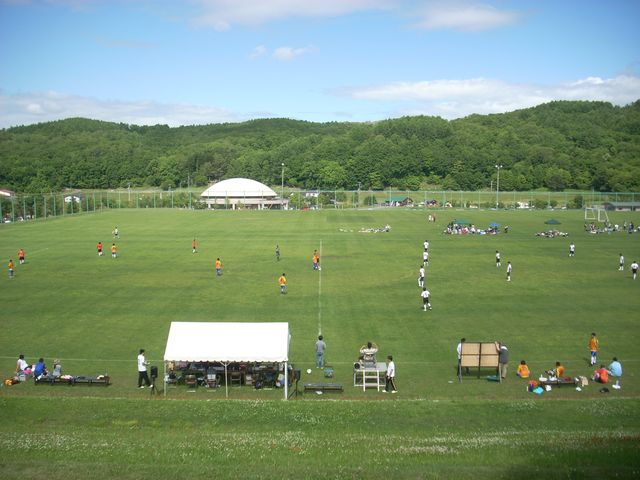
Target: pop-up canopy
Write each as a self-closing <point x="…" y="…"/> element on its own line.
<point x="227" y="342"/>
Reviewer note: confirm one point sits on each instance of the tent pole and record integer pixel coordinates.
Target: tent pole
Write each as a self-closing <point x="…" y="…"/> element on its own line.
<point x="286" y="381"/>
<point x="164" y="378"/>
<point x="226" y="380"/>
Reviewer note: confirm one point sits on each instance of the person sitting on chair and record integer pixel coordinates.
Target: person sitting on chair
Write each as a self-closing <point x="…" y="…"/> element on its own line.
<point x="40" y="370"/>
<point x="368" y="353"/>
<point x="57" y="369"/>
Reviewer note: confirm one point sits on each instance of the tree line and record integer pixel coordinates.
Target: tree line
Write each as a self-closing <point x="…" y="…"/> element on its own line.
<point x="556" y="146"/>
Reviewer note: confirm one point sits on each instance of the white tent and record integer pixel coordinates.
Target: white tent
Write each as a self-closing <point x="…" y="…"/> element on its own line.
<point x="227" y="342"/>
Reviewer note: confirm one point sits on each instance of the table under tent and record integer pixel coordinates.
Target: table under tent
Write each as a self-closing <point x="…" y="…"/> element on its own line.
<point x="228" y="343"/>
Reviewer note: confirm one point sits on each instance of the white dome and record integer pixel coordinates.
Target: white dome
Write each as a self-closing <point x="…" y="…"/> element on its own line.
<point x="238" y="187"/>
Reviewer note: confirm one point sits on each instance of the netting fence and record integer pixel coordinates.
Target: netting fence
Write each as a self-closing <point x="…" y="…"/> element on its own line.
<point x="20" y="207"/>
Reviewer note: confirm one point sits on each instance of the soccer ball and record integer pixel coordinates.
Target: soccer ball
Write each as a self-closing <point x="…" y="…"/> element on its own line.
<point x="308" y="370"/>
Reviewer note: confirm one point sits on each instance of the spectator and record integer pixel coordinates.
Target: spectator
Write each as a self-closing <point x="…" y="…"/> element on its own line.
<point x="615" y="368"/>
<point x="601" y="375"/>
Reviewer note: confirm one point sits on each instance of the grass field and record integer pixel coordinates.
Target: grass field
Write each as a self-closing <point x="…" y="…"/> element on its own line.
<point x="95" y="313"/>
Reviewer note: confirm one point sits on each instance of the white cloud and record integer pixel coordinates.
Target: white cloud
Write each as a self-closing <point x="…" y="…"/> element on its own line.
<point x="223" y="14"/>
<point x="289" y="53"/>
<point x="259" y="51"/>
<point x="29" y="108"/>
<point x="458" y="98"/>
<point x="465" y="16"/>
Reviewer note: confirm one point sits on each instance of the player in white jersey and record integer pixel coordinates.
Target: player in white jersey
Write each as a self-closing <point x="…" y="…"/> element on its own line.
<point x="421" y="277"/>
<point x="425" y="299"/>
<point x="498" y="264"/>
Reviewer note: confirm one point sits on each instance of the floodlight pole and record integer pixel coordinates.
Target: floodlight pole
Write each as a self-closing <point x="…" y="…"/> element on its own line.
<point x="498" y="186"/>
<point x="282" y="188"/>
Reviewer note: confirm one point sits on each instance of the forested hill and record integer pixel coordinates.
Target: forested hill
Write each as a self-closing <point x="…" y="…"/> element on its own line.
<point x="557" y="145"/>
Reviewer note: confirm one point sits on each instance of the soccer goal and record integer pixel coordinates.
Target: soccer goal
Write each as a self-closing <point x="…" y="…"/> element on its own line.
<point x="596" y="213"/>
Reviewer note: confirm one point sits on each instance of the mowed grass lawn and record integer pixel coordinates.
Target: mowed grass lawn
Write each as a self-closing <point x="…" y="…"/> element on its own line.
<point x="95" y="313"/>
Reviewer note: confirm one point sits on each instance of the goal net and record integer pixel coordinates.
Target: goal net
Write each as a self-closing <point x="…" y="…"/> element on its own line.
<point x="596" y="213"/>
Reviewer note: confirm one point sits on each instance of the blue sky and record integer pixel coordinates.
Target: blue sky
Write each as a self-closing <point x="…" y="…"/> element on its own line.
<point x="184" y="62"/>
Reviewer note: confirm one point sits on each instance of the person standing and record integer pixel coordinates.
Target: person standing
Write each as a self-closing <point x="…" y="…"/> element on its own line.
<point x="593" y="348"/>
<point x="282" y="281"/>
<point x="142" y="370"/>
<point x="459" y="350"/>
<point x="114" y="251"/>
<point x="421" y="277"/>
<point x="426" y="245"/>
<point x="314" y="259"/>
<point x="11" y="265"/>
<point x="116" y="233"/>
<point x="572" y="250"/>
<point x="194" y="246"/>
<point x="390" y="377"/>
<point x="425" y="258"/>
<point x="278" y="253"/>
<point x="320" y="349"/>
<point x="634" y="270"/>
<point x="503" y="359"/>
<point x="21" y="256"/>
<point x="498" y="259"/>
<point x="218" y="267"/>
<point x="509" y="269"/>
<point x="99" y="248"/>
<point x="426" y="295"/>
<point x="621" y="263"/>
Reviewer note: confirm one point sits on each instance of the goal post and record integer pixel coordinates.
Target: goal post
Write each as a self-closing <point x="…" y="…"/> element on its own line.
<point x="596" y="213"/>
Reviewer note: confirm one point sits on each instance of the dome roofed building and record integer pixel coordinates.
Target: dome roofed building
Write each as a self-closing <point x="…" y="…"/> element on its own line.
<point x="242" y="193"/>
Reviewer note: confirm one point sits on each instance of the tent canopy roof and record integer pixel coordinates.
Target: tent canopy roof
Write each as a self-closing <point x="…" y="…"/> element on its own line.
<point x="238" y="187"/>
<point x="227" y="342"/>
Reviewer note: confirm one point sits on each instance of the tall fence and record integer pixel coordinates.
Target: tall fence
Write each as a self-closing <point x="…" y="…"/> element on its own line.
<point x="21" y="207"/>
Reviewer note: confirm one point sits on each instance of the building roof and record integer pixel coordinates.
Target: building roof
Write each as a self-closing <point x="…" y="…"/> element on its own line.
<point x="238" y="187"/>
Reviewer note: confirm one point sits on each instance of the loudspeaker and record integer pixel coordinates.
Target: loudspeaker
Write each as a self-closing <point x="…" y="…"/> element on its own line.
<point x="154" y="371"/>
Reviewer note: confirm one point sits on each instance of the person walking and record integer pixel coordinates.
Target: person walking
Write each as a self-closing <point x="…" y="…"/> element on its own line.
<point x="278" y="253"/>
<point x="498" y="259"/>
<point x="21" y="256"/>
<point x="634" y="270"/>
<point x="321" y="346"/>
<point x="99" y="248"/>
<point x="509" y="269"/>
<point x="572" y="250"/>
<point x="390" y="377"/>
<point x="114" y="251"/>
<point x="283" y="284"/>
<point x="218" y="267"/>
<point x="426" y="295"/>
<point x="11" y="265"/>
<point x="194" y="246"/>
<point x="621" y="263"/>
<point x="142" y="370"/>
<point x="421" y="277"/>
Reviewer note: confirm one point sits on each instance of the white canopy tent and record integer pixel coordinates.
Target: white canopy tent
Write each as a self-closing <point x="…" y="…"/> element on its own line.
<point x="227" y="342"/>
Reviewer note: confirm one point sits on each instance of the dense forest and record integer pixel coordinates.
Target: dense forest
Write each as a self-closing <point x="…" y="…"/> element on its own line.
<point x="559" y="145"/>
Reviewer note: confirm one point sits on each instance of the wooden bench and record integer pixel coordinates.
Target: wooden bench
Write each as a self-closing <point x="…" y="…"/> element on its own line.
<point x="323" y="387"/>
<point x="101" y="380"/>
